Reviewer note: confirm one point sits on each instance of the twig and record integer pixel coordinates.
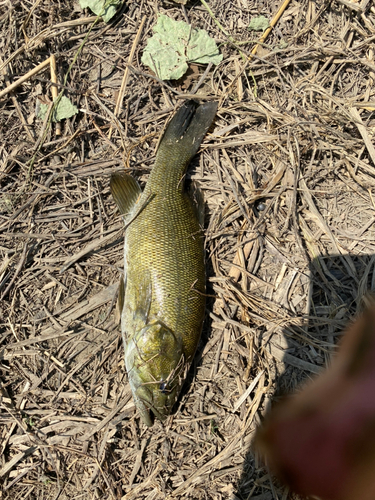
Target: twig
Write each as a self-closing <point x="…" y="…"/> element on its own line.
<point x="363" y="131"/>
<point x="67" y="141"/>
<point x="26" y="77"/>
<point x="76" y="22"/>
<point x="47" y="34"/>
<point x="273" y="23"/>
<point x="351" y="5"/>
<point x="27" y="19"/>
<point x="125" y="78"/>
<point x="202" y="78"/>
<point x="17" y="271"/>
<point x="18" y="107"/>
<point x="97" y="243"/>
<point x="54" y="91"/>
<point x="205" y="4"/>
<point x="56" y="102"/>
<point x="260" y="42"/>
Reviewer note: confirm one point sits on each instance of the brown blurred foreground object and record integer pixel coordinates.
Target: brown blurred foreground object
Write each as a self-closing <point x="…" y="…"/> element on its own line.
<point x="321" y="441"/>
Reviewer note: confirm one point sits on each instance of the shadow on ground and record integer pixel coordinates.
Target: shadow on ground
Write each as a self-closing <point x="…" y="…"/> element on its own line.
<point x="338" y="284"/>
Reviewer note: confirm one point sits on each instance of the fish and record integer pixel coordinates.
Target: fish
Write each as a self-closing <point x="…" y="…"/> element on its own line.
<point x="162" y="294"/>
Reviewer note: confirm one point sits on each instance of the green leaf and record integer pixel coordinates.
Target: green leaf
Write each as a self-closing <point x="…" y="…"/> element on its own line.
<point x="259" y="23"/>
<point x="64" y="109"/>
<point x="104" y="8"/>
<point x="283" y="44"/>
<point x="174" y="44"/>
<point x="202" y="48"/>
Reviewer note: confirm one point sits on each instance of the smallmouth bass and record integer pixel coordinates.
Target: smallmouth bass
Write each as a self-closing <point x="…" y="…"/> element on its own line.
<point x="162" y="296"/>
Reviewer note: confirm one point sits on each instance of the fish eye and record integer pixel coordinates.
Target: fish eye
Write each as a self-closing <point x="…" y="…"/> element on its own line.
<point x="163" y="387"/>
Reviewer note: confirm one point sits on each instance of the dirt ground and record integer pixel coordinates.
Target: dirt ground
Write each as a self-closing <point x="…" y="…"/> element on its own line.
<point x="288" y="177"/>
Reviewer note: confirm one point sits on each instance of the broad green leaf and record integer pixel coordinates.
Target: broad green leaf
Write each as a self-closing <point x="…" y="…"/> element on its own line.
<point x="202" y="48"/>
<point x="174" y="44"/>
<point x="64" y="109"/>
<point x="259" y="23"/>
<point x="104" y="8"/>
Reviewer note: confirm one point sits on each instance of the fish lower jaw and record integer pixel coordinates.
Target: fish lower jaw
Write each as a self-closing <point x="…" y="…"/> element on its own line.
<point x="153" y="402"/>
<point x="152" y="397"/>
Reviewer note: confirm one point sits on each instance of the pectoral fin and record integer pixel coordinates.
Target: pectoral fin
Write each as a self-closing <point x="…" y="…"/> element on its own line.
<point x="121" y="295"/>
<point x="125" y="191"/>
<point x="144" y="299"/>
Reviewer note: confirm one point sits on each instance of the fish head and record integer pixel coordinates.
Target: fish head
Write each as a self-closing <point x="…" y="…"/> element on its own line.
<point x="156" y="366"/>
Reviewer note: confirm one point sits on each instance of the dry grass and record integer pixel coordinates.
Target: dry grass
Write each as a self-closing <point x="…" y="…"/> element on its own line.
<point x="288" y="177"/>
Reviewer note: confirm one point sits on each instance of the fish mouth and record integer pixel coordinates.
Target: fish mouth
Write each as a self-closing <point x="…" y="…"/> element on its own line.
<point x="156" y="402"/>
<point x="153" y="412"/>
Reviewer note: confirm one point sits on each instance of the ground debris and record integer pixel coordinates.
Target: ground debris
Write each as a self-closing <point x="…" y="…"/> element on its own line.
<point x="287" y="173"/>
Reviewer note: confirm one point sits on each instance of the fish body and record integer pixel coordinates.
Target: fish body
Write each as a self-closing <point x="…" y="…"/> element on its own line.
<point x="163" y="302"/>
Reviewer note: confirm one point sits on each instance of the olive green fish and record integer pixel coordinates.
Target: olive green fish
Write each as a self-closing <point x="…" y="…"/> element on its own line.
<point x="162" y="300"/>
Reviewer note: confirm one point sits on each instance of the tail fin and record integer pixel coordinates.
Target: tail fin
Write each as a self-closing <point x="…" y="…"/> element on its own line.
<point x="188" y="126"/>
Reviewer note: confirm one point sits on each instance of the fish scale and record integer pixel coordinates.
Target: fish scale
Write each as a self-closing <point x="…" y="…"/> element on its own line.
<point x="164" y="271"/>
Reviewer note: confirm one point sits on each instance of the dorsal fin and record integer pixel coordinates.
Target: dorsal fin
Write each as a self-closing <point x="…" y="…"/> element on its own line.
<point x="125" y="191"/>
